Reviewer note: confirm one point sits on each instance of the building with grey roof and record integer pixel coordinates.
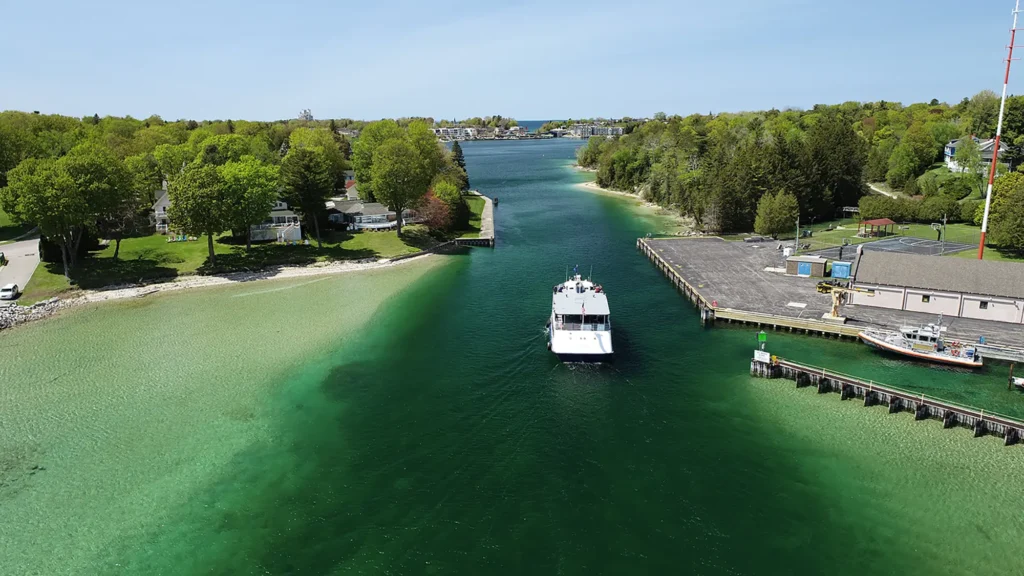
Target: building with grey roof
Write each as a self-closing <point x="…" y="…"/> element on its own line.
<point x="360" y="215"/>
<point x="966" y="288"/>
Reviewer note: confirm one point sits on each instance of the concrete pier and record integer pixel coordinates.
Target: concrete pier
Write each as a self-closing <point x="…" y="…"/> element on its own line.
<point x="734" y="282"/>
<point x="873" y="393"/>
<point x="486" y="237"/>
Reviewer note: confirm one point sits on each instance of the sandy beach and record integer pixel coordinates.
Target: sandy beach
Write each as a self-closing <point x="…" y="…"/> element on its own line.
<point x="14" y="315"/>
<point x="680" y="226"/>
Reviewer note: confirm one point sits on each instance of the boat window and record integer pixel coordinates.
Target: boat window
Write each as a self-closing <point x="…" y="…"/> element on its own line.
<point x="926" y="299"/>
<point x="983" y="305"/>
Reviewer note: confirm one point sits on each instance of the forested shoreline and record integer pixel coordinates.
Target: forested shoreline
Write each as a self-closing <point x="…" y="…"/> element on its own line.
<point x="718" y="168"/>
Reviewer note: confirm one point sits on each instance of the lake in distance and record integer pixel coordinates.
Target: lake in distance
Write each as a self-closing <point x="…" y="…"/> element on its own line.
<point x="410" y="420"/>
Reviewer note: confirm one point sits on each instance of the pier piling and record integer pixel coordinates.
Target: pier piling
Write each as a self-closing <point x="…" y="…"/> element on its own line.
<point x="952" y="415"/>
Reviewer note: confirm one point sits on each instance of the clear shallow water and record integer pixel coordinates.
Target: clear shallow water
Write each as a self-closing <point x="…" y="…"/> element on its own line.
<point x="369" y="429"/>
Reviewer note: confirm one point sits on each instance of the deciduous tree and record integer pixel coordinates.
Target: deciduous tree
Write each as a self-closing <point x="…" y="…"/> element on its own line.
<point x="250" y="187"/>
<point x="199" y="204"/>
<point x="371" y="138"/>
<point x="398" y="176"/>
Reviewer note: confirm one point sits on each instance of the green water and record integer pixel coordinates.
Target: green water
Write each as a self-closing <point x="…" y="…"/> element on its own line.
<point x="411" y="421"/>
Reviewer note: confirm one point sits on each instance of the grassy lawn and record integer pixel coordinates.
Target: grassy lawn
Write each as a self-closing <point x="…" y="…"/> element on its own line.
<point x="824" y="237"/>
<point x="476" y="209"/>
<point x="8" y="229"/>
<point x="992" y="254"/>
<point x="153" y="258"/>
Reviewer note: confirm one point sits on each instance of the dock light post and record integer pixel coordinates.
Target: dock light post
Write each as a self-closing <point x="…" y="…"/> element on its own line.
<point x="999" y="133"/>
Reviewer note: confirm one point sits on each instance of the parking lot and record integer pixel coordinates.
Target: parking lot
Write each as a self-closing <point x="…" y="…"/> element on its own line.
<point x="905" y="244"/>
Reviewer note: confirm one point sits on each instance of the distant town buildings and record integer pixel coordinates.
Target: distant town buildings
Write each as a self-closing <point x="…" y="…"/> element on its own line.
<point x="452" y="133"/>
<point x="588" y="130"/>
<point x="455" y="133"/>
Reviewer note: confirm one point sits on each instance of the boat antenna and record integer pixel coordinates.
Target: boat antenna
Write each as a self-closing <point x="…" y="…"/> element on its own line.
<point x="566" y="272"/>
<point x="591" y="277"/>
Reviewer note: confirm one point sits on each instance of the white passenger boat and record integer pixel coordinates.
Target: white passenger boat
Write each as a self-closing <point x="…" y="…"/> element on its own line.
<point x="580" y="328"/>
<point x="924" y="343"/>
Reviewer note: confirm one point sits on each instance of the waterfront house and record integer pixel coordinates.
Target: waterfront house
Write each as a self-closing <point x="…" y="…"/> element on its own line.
<point x="159" y="216"/>
<point x="986" y="146"/>
<point x="282" y="225"/>
<point x="359" y="215"/>
<point x="958" y="287"/>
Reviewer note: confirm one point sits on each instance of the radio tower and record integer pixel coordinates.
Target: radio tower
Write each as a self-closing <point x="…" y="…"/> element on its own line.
<point x="999" y="132"/>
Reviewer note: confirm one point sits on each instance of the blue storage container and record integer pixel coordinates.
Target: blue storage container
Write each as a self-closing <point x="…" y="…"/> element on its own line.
<point x="841" y="270"/>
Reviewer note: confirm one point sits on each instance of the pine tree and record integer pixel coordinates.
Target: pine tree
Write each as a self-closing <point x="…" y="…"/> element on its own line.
<point x="457" y="155"/>
<point x="231" y="127"/>
<point x="95" y="119"/>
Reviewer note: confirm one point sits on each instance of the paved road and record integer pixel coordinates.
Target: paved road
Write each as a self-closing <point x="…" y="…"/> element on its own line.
<point x="23" y="257"/>
<point x="883" y="192"/>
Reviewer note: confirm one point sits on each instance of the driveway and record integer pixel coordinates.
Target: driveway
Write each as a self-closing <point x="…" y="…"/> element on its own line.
<point x="23" y="257"/>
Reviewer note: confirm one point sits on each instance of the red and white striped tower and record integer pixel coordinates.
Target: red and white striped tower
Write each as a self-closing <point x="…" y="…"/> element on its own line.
<point x="999" y="132"/>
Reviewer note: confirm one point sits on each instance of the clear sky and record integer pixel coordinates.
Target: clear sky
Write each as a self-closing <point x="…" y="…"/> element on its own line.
<point x="527" y="59"/>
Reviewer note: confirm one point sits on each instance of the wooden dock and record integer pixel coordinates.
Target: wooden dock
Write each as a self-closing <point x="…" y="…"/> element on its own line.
<point x="873" y="393"/>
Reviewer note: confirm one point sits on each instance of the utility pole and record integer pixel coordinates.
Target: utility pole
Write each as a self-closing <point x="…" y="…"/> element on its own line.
<point x="943" y="245"/>
<point x="796" y="245"/>
<point x="999" y="132"/>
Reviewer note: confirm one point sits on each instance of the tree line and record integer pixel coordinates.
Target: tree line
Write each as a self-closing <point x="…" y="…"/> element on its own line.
<point x="81" y="177"/>
<point x="717" y="168"/>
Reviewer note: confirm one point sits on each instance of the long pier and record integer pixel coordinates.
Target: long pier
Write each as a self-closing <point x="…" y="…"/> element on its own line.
<point x="873" y="393"/>
<point x="735" y="273"/>
<point x="711" y="311"/>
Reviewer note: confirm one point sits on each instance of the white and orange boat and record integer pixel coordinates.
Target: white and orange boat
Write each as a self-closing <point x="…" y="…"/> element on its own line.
<point x="924" y="343"/>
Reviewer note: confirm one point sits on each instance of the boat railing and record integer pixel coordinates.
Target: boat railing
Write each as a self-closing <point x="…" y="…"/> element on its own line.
<point x="585" y="327"/>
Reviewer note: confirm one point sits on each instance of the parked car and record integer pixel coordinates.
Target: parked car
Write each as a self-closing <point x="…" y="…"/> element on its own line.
<point x="9" y="292"/>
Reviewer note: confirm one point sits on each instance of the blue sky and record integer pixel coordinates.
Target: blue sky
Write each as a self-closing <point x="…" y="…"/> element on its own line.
<point x="527" y="59"/>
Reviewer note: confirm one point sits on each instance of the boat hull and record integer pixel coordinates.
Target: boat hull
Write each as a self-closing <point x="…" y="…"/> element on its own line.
<point x="948" y="360"/>
<point x="585" y="358"/>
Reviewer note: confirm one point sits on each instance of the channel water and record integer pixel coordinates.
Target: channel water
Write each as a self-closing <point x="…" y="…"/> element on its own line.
<point x="411" y="421"/>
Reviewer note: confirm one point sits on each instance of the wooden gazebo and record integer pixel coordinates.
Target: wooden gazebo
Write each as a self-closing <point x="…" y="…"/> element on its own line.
<point x="875" y="228"/>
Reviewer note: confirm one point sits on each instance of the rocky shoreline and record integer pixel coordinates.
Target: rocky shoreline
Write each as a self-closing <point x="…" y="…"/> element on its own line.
<point x="14" y="315"/>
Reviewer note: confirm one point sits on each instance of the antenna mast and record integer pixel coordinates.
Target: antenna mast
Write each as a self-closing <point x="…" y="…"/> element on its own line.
<point x="999" y="133"/>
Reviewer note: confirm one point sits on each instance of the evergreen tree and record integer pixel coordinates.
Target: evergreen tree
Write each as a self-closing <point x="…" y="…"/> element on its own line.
<point x="231" y="127"/>
<point x="460" y="161"/>
<point x="306" y="178"/>
<point x="95" y="119"/>
<point x="457" y="156"/>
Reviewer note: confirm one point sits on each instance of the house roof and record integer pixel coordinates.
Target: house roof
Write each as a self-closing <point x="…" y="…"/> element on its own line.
<point x="812" y="259"/>
<point x="878" y="222"/>
<point x="357" y="207"/>
<point x="983" y="145"/>
<point x="161" y="199"/>
<point x="942" y="274"/>
<point x="349" y="184"/>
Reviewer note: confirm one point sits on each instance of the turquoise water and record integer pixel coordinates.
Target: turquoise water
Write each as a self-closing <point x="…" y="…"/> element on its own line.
<point x="411" y="421"/>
